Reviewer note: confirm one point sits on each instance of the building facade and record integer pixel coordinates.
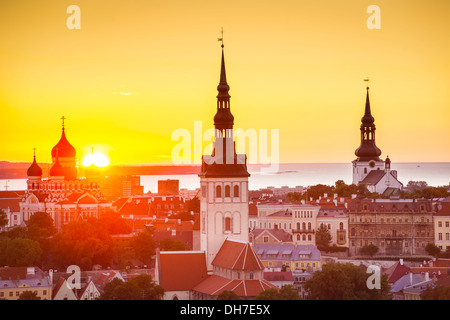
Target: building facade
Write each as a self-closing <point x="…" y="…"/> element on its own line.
<point x="396" y="227"/>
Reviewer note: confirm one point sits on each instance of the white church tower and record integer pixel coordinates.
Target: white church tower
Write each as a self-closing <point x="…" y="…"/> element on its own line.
<point x="368" y="168"/>
<point x="223" y="182"/>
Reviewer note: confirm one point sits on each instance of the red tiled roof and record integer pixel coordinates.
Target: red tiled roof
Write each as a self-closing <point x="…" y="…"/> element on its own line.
<point x="278" y="276"/>
<point x="181" y="270"/>
<point x="396" y="271"/>
<point x="444" y="212"/>
<point x="214" y="285"/>
<point x="237" y="255"/>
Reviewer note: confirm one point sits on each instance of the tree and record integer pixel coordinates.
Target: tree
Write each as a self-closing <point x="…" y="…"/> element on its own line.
<point x="172" y="245"/>
<point x="437" y="293"/>
<point x="344" y="190"/>
<point x="288" y="292"/>
<point x="432" y="250"/>
<point x="338" y="281"/>
<point x="144" y="245"/>
<point x="3" y="219"/>
<point x="268" y="294"/>
<point x="20" y="252"/>
<point x="323" y="236"/>
<point x="29" y="295"/>
<point x="40" y="226"/>
<point x="228" y="295"/>
<point x="141" y="287"/>
<point x="369" y="250"/>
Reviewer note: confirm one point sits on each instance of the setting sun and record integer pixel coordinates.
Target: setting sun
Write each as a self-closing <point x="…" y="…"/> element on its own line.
<point x="98" y="159"/>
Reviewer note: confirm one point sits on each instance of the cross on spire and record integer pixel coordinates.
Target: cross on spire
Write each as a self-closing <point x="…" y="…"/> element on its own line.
<point x="63" y="118"/>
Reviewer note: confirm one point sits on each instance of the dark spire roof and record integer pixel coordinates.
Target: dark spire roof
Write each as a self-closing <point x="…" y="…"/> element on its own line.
<point x="367" y="118"/>
<point x="65" y="149"/>
<point x="368" y="149"/>
<point x="34" y="170"/>
<point x="223" y="118"/>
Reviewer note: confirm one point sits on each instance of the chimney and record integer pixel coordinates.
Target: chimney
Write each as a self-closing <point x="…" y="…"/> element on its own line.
<point x="410" y="278"/>
<point x="427" y="276"/>
<point x="335" y="202"/>
<point x="335" y="195"/>
<point x="325" y="195"/>
<point x="303" y="201"/>
<point x="353" y="196"/>
<point x="401" y="262"/>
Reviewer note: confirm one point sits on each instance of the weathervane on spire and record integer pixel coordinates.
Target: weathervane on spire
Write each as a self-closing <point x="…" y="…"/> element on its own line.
<point x="367" y="80"/>
<point x="221" y="39"/>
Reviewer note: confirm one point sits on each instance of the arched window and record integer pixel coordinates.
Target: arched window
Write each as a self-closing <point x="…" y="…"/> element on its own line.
<point x="304" y="226"/>
<point x="227" y="191"/>
<point x="304" y="237"/>
<point x="218" y="192"/>
<point x="298" y="225"/>
<point x="236" y="191"/>
<point x="309" y="225"/>
<point x="341" y="226"/>
<point x="228" y="224"/>
<point x="298" y="237"/>
<point x="309" y="237"/>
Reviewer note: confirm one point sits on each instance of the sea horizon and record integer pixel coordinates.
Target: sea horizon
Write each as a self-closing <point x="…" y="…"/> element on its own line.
<point x="291" y="175"/>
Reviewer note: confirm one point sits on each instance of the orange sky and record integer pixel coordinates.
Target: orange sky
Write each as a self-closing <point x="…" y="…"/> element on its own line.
<point x="138" y="70"/>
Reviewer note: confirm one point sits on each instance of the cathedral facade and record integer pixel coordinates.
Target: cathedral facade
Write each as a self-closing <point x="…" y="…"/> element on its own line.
<point x="63" y="195"/>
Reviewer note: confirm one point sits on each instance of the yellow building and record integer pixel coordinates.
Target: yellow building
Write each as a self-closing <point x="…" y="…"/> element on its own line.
<point x="294" y="257"/>
<point x="442" y="227"/>
<point x="16" y="280"/>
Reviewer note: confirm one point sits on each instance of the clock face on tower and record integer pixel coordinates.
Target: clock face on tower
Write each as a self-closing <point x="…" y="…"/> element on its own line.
<point x="372" y="164"/>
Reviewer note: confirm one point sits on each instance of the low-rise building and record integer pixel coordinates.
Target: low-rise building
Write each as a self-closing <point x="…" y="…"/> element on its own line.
<point x="289" y="256"/>
<point x="441" y="220"/>
<point x="16" y="280"/>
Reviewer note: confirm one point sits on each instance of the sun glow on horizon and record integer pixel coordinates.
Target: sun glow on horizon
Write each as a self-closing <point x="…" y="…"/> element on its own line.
<point x="97" y="159"/>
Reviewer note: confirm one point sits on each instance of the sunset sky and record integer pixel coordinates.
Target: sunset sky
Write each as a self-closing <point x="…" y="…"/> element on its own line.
<point x="138" y="70"/>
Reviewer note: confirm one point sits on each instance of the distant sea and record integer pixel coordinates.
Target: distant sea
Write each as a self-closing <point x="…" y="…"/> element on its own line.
<point x="295" y="174"/>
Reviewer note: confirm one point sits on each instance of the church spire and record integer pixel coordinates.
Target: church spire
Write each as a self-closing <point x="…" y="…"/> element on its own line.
<point x="368" y="149"/>
<point x="223" y="119"/>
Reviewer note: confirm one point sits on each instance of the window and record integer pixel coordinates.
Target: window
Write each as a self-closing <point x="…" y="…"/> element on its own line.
<point x="236" y="191"/>
<point x="440" y="224"/>
<point x="341" y="226"/>
<point x="298" y="237"/>
<point x="447" y="224"/>
<point x="227" y="191"/>
<point x="228" y="224"/>
<point x="309" y="225"/>
<point x="440" y="236"/>
<point x="447" y="236"/>
<point x="218" y="192"/>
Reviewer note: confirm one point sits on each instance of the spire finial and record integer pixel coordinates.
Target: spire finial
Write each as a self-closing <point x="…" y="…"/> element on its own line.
<point x="367" y="80"/>
<point x="63" y="118"/>
<point x="34" y="153"/>
<point x="221" y="38"/>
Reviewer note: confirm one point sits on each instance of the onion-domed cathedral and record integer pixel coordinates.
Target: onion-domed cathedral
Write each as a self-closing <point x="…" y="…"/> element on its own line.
<point x="368" y="168"/>
<point x="63" y="195"/>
